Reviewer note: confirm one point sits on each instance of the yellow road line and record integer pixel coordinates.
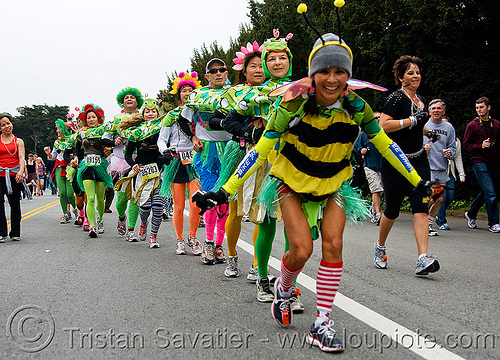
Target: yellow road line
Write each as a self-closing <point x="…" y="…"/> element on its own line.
<point x="36" y="211"/>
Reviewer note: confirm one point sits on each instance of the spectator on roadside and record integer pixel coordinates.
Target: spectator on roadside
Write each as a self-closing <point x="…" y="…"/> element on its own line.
<point x="454" y="165"/>
<point x="442" y="149"/>
<point x="372" y="161"/>
<point x="11" y="177"/>
<point x="481" y="140"/>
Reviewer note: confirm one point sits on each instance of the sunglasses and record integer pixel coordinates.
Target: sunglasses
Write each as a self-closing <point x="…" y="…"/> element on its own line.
<point x="222" y="70"/>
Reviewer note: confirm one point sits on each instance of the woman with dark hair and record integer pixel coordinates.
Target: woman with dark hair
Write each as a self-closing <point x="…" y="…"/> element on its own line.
<point x="310" y="177"/>
<point x="179" y="172"/>
<point x="403" y="117"/>
<point x="247" y="121"/>
<point x="91" y="176"/>
<point x="248" y="62"/>
<point x="11" y="178"/>
<point x="142" y="183"/>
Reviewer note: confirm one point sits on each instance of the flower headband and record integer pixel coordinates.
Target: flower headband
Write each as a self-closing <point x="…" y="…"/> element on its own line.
<point x="239" y="60"/>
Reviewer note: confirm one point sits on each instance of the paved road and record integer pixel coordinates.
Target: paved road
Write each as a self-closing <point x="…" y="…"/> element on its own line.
<point x="66" y="296"/>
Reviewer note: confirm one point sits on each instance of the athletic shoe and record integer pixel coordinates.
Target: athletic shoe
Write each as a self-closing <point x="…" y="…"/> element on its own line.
<point x="100" y="227"/>
<point x="470" y="222"/>
<point x="494" y="228"/>
<point x="153" y="243"/>
<point x="86" y="224"/>
<point x="143" y="233"/>
<point x="81" y="217"/>
<point x="194" y="245"/>
<point x="253" y="274"/>
<point x="122" y="227"/>
<point x="64" y="219"/>
<point x="432" y="232"/>
<point x="75" y="212"/>
<point x="232" y="267"/>
<point x="378" y="217"/>
<point x="264" y="292"/>
<point x="324" y="337"/>
<point x="380" y="259"/>
<point x="69" y="215"/>
<point x="180" y="249"/>
<point x="444" y="227"/>
<point x="208" y="253"/>
<point x="131" y="236"/>
<point x="92" y="232"/>
<point x="373" y="217"/>
<point x="426" y="264"/>
<point x="202" y="222"/>
<point x="281" y="307"/>
<point x="164" y="214"/>
<point x="297" y="305"/>
<point x="76" y="223"/>
<point x="246" y="218"/>
<point x="16" y="238"/>
<point x="220" y="257"/>
<point x="3" y="238"/>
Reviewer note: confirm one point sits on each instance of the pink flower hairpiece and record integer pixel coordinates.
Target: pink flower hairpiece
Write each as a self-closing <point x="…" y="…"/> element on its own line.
<point x="276" y="33"/>
<point x="240" y="55"/>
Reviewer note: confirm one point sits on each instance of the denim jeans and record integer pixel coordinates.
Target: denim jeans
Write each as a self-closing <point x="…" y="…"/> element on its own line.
<point x="449" y="195"/>
<point x="486" y="175"/>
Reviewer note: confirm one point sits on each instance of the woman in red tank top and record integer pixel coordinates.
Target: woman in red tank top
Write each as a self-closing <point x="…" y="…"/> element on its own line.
<point x="11" y="178"/>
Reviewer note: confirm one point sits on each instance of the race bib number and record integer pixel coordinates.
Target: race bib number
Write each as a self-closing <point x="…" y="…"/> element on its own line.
<point x="93" y="160"/>
<point x="150" y="171"/>
<point x="186" y="157"/>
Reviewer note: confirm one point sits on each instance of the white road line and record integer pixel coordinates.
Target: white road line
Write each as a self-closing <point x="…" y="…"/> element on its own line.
<point x="398" y="333"/>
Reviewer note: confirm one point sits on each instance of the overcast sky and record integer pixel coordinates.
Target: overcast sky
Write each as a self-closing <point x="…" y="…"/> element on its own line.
<point x="78" y="51"/>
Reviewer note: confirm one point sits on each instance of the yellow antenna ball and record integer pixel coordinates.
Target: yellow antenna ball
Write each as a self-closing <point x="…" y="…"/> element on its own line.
<point x="339" y="3"/>
<point x="302" y="8"/>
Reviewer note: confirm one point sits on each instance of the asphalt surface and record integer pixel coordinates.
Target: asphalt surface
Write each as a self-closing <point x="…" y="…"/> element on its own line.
<point x="66" y="296"/>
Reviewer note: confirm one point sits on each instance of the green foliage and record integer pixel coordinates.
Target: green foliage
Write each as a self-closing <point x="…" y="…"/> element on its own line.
<point x="36" y="126"/>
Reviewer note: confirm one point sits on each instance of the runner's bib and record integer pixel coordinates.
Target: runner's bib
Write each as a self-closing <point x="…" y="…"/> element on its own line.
<point x="93" y="160"/>
<point x="186" y="157"/>
<point x="150" y="171"/>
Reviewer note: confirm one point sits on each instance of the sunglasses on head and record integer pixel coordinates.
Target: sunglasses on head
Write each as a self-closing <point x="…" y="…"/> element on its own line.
<point x="222" y="70"/>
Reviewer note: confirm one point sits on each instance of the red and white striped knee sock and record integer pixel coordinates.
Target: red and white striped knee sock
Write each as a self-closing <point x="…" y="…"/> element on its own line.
<point x="327" y="284"/>
<point x="288" y="275"/>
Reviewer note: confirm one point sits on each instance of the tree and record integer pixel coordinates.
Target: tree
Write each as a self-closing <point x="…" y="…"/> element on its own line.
<point x="36" y="125"/>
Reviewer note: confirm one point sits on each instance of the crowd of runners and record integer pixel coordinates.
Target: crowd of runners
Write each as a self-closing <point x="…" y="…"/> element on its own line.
<point x="265" y="148"/>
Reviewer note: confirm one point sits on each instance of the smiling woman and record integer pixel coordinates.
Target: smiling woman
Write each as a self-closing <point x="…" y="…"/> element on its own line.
<point x="12" y="166"/>
<point x="310" y="177"/>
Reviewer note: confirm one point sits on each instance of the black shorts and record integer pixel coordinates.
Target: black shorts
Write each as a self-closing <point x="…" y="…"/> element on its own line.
<point x="396" y="187"/>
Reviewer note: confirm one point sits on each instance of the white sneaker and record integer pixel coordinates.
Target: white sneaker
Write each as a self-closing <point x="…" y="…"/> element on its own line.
<point x="131" y="236"/>
<point x="180" y="248"/>
<point x="100" y="227"/>
<point x="153" y="243"/>
<point x="494" y="228"/>
<point x="195" y="246"/>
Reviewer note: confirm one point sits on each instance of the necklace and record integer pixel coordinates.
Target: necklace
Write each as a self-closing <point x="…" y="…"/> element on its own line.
<point x="6" y="148"/>
<point x="416" y="105"/>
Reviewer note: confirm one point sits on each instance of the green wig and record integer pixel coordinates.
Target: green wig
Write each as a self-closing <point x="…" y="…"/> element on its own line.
<point x="130" y="91"/>
<point x="276" y="45"/>
<point x="60" y="126"/>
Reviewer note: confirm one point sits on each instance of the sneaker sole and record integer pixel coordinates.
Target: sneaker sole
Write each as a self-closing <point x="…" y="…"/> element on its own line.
<point x="180" y="253"/>
<point x="265" y="300"/>
<point x="232" y="275"/>
<point x="156" y="246"/>
<point x="315" y="342"/>
<point x="430" y="269"/>
<point x="468" y="224"/>
<point x="93" y="234"/>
